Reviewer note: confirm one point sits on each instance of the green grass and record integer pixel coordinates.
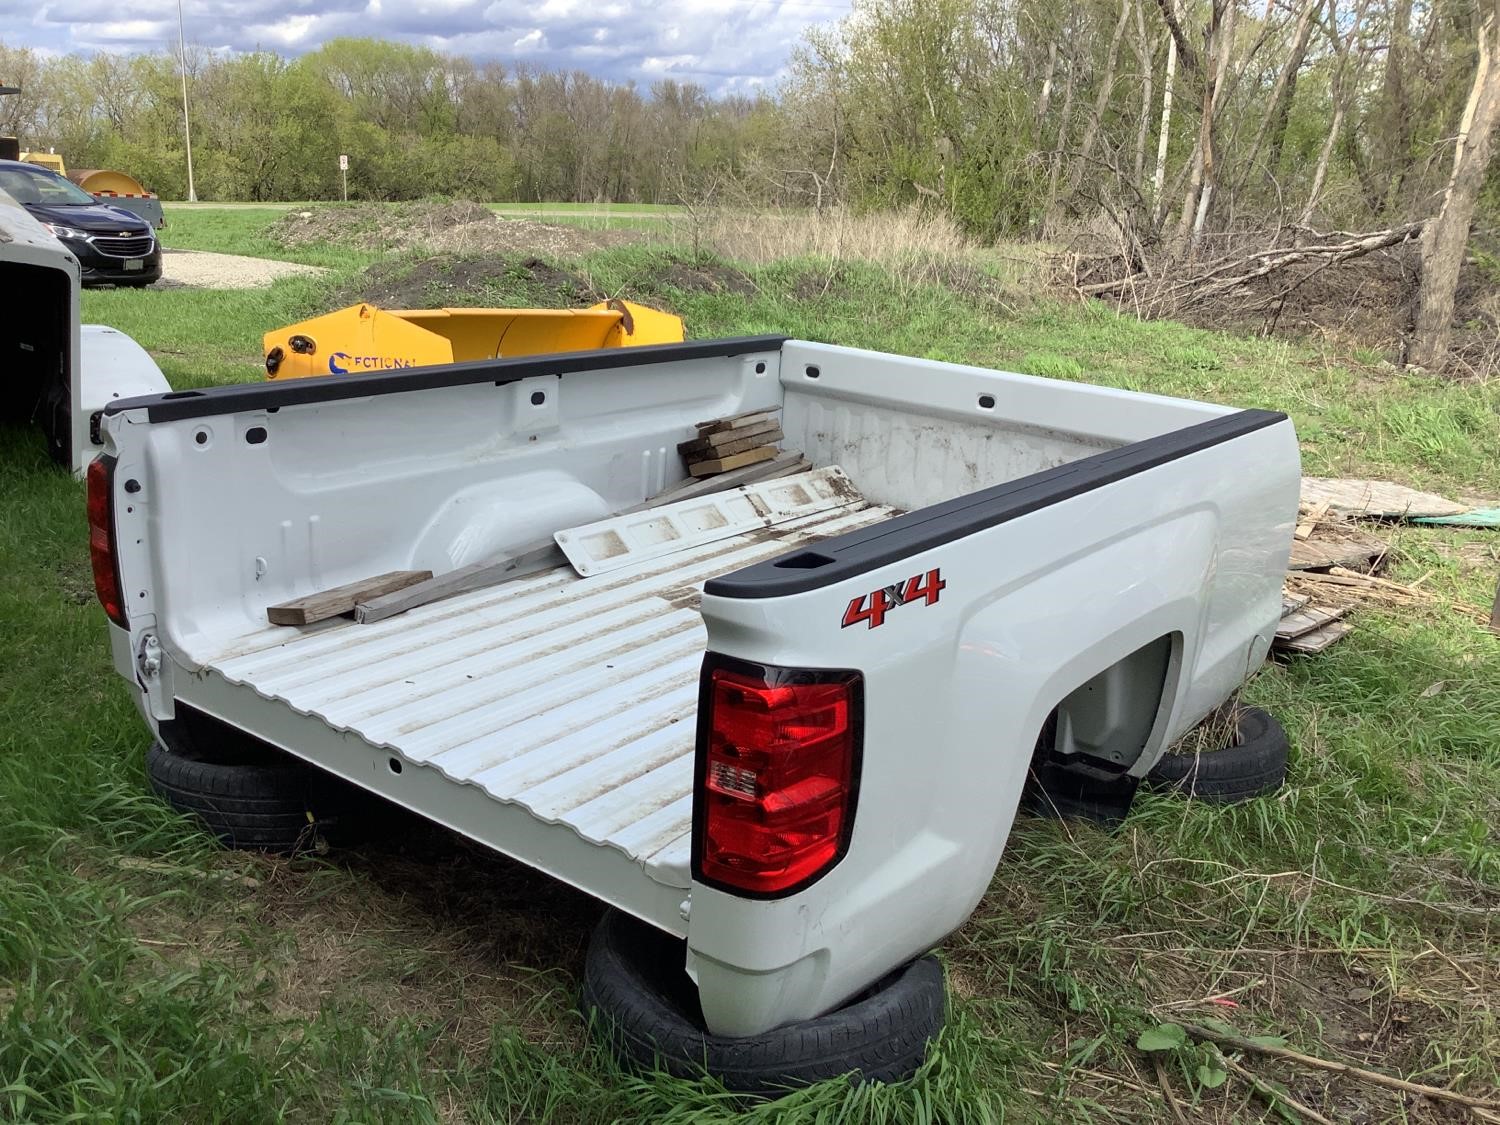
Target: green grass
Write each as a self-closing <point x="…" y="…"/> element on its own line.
<point x="145" y="975"/>
<point x="243" y="230"/>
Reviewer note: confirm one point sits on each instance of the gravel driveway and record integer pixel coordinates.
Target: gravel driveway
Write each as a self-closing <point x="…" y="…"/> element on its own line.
<point x="201" y="269"/>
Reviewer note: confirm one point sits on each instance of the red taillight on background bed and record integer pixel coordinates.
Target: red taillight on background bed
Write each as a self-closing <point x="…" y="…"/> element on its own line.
<point x="101" y="481"/>
<point x="777" y="774"/>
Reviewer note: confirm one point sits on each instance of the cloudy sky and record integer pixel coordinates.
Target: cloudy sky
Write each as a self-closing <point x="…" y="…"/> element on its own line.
<point x="725" y="45"/>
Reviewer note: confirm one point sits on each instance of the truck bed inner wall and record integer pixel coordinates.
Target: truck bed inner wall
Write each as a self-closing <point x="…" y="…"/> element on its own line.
<point x="912" y="433"/>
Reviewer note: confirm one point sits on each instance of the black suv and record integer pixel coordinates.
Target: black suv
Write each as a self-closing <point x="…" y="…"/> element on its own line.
<point x="113" y="247"/>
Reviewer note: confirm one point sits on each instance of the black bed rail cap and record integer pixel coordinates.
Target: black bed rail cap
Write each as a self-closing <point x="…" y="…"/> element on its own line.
<point x="865" y="549"/>
<point x="176" y="405"/>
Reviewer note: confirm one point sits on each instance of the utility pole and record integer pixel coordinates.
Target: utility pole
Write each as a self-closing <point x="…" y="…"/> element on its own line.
<point x="187" y="130"/>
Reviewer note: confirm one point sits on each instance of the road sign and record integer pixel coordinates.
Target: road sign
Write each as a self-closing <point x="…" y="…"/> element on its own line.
<point x="343" y="162"/>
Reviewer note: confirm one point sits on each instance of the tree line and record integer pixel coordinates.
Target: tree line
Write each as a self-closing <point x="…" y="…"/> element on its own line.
<point x="1017" y="116"/>
<point x="414" y="122"/>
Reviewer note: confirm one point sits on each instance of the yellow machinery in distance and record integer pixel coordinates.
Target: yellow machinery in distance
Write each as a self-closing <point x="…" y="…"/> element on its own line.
<point x="118" y="189"/>
<point x="363" y="339"/>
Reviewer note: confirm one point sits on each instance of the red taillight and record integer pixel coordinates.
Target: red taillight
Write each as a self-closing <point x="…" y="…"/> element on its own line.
<point x="101" y="481"/>
<point x="778" y="762"/>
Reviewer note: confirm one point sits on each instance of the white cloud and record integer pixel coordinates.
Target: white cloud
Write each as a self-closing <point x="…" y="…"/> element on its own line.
<point x="292" y="31"/>
<point x="533" y="40"/>
<point x="726" y="45"/>
<point x="655" y="64"/>
<point x="129" y="30"/>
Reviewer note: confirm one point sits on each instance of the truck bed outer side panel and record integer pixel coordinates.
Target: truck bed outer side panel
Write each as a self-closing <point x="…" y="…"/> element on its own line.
<point x="1035" y="604"/>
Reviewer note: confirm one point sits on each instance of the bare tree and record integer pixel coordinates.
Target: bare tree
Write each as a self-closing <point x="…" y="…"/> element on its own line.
<point x="1101" y="101"/>
<point x="1049" y="212"/>
<point x="1218" y="44"/>
<point x="1345" y="82"/>
<point x="1447" y="234"/>
<point x="1164" y="133"/>
<point x="1273" y="123"/>
<point x="1395" y="109"/>
<point x="1046" y="99"/>
<point x="1145" y="51"/>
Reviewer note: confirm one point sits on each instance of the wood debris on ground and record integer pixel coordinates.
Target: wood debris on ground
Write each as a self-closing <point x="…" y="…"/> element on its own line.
<point x="1376" y="499"/>
<point x="1335" y="563"/>
<point x="725" y="444"/>
<point x="1325" y="540"/>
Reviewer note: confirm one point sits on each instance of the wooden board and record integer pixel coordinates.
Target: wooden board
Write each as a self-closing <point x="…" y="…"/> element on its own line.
<point x="1291" y="603"/>
<point x="778" y="467"/>
<point x="1314" y="642"/>
<point x="1307" y="522"/>
<point x="1378" y="499"/>
<point x="1306" y="621"/>
<point x="738" y="421"/>
<point x="342" y="599"/>
<point x="783" y="464"/>
<point x="1341" y="548"/>
<point x="722" y="442"/>
<point x="769" y="437"/>
<point x="545" y="554"/>
<point x="531" y="559"/>
<point x="736" y="461"/>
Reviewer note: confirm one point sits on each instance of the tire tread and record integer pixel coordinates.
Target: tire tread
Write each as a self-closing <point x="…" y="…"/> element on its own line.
<point x="879" y="1037"/>
<point x="1255" y="766"/>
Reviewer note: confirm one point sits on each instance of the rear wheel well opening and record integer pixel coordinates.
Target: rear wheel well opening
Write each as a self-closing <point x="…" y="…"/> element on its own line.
<point x="1108" y="720"/>
<point x="198" y="735"/>
<point x="1081" y="764"/>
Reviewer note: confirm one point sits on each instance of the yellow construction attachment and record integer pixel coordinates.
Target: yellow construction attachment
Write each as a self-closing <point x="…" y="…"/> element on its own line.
<point x="50" y="160"/>
<point x="106" y="181"/>
<point x="363" y="338"/>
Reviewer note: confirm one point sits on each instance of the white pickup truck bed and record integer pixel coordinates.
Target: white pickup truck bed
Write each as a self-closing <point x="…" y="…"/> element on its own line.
<point x="571" y="697"/>
<point x="1028" y="556"/>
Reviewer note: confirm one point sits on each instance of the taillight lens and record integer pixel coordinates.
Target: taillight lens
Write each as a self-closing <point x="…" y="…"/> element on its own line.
<point x="777" y="775"/>
<point x="101" y="481"/>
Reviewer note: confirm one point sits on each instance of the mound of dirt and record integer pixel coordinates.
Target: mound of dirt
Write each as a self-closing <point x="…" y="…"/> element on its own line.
<point x="456" y="226"/>
<point x="704" y="277"/>
<point x="484" y="281"/>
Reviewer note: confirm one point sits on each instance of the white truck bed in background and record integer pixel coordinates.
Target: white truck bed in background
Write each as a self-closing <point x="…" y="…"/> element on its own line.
<point x="571" y="697"/>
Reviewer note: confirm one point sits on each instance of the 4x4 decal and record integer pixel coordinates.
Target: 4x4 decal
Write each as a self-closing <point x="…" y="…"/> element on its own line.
<point x="873" y="607"/>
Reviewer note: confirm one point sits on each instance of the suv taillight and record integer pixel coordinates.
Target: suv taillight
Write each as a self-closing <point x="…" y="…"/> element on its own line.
<point x="101" y="483"/>
<point x="776" y="777"/>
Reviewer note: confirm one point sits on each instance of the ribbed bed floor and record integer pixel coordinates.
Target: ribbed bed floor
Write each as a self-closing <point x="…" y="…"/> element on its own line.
<point x="572" y="697"/>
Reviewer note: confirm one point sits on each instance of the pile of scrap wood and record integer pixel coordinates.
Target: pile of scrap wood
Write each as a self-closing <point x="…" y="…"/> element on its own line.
<point x="1336" y="562"/>
<point x="1307" y="628"/>
<point x="731" y="443"/>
